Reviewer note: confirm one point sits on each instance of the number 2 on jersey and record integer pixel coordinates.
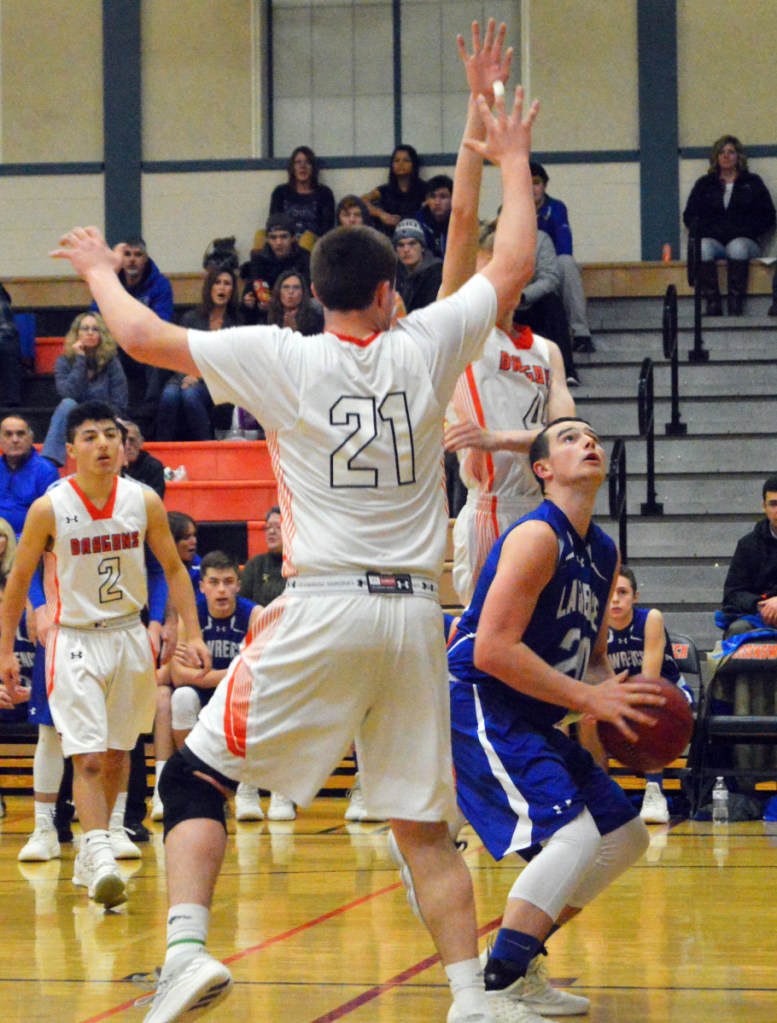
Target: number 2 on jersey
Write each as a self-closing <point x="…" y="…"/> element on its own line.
<point x="111" y="569"/>
<point x="360" y="417"/>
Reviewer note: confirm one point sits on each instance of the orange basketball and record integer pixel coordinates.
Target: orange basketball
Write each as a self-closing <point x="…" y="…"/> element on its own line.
<point x="659" y="744"/>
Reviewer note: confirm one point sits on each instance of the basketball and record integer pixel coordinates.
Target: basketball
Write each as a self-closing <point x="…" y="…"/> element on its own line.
<point x="659" y="744"/>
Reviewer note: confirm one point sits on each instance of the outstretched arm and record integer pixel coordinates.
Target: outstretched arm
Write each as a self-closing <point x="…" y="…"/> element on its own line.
<point x="138" y="330"/>
<point x="484" y="66"/>
<point x="508" y="144"/>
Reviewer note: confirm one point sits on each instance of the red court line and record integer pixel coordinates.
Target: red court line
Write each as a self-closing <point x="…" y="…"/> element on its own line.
<point x="267" y="943"/>
<point x="335" y="1014"/>
<point x="401" y="978"/>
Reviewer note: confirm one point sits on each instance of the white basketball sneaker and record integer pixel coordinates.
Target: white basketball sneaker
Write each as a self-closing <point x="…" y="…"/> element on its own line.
<point x="190" y="988"/>
<point x="247" y="805"/>
<point x="281" y="808"/>
<point x="536" y="992"/>
<point x="122" y="847"/>
<point x="41" y="846"/>
<point x="654" y="806"/>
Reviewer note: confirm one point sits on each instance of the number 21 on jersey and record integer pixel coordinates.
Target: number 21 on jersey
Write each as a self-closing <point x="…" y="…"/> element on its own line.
<point x="378" y="443"/>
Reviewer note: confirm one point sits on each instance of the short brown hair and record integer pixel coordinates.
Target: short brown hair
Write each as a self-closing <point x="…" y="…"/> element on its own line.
<point x="347" y="266"/>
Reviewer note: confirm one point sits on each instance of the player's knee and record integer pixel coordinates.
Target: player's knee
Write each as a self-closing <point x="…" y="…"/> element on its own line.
<point x="185" y="705"/>
<point x="88" y="764"/>
<point x="186" y="796"/>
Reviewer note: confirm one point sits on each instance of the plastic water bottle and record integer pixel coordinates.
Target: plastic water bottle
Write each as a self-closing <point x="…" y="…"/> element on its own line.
<point x="720" y="802"/>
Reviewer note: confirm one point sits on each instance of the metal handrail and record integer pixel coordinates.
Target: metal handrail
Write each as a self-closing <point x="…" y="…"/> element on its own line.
<point x="646" y="420"/>
<point x="698" y="353"/>
<point x="676" y="427"/>
<point x="617" y="484"/>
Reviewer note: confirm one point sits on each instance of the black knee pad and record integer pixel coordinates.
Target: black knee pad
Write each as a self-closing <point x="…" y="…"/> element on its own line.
<point x="188" y="797"/>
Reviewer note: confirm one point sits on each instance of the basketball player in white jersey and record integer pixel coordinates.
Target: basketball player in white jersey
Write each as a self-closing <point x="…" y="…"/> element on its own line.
<point x="99" y="661"/>
<point x="354" y="424"/>
<point x="501" y="401"/>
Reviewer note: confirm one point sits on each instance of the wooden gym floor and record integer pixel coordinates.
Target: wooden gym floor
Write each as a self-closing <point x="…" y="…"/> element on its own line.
<point x="312" y="919"/>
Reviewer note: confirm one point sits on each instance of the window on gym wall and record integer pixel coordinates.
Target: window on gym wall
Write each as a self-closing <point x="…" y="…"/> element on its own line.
<point x="335" y="64"/>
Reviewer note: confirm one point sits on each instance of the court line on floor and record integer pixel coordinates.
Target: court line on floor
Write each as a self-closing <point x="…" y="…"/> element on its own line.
<point x="300" y="928"/>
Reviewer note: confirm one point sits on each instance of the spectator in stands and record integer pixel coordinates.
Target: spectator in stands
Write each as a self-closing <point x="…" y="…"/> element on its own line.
<point x="402" y="195"/>
<point x="732" y="209"/>
<point x="750" y="589"/>
<point x="280" y="252"/>
<point x="310" y="204"/>
<point x="553" y="219"/>
<point x="10" y="355"/>
<point x="24" y="474"/>
<point x="435" y="213"/>
<point x="142" y="278"/>
<point x="8" y="547"/>
<point x="262" y="577"/>
<point x="419" y="273"/>
<point x="351" y="210"/>
<point x="186" y="408"/>
<point x="89" y="369"/>
<point x="541" y="307"/>
<point x="637" y="642"/>
<point x="142" y="466"/>
<point x="184" y="530"/>
<point x="292" y="305"/>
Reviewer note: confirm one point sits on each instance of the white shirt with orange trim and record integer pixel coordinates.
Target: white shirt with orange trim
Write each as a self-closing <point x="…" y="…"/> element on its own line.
<point x="506" y="389"/>
<point x="354" y="429"/>
<point x="96" y="570"/>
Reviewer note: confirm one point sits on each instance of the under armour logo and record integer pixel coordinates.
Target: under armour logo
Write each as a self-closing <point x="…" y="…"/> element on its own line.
<point x="403" y="584"/>
<point x="76" y="655"/>
<point x="70" y="519"/>
<point x="361" y="582"/>
<point x="560" y="809"/>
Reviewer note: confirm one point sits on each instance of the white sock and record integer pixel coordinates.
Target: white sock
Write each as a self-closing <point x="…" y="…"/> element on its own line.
<point x="117" y="814"/>
<point x="44" y="815"/>
<point x="187" y="929"/>
<point x="158" y="768"/>
<point x="468" y="989"/>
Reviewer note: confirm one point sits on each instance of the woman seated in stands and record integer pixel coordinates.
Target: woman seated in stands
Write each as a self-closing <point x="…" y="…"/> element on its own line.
<point x="184" y="530"/>
<point x="402" y="196"/>
<point x="88" y="370"/>
<point x="733" y="210"/>
<point x="310" y="204"/>
<point x="352" y="211"/>
<point x="292" y="305"/>
<point x="185" y="406"/>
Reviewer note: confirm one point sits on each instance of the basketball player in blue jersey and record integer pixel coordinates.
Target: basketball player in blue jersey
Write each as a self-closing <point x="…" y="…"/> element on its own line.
<point x="637" y="642"/>
<point x="225" y="618"/>
<point x="526" y="647"/>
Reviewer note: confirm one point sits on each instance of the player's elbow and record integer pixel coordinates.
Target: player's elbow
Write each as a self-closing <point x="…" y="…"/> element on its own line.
<point x="487" y="656"/>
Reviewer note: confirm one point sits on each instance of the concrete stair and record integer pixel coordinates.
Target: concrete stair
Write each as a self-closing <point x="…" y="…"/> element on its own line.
<point x="709" y="481"/>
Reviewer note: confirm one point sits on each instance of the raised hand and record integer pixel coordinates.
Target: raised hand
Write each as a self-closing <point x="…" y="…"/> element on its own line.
<point x="87" y="250"/>
<point x="486" y="64"/>
<point x="506" y="134"/>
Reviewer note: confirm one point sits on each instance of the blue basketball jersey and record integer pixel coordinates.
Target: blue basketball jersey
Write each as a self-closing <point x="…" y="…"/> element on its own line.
<point x="566" y="620"/>
<point x="223" y="636"/>
<point x="626" y="648"/>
